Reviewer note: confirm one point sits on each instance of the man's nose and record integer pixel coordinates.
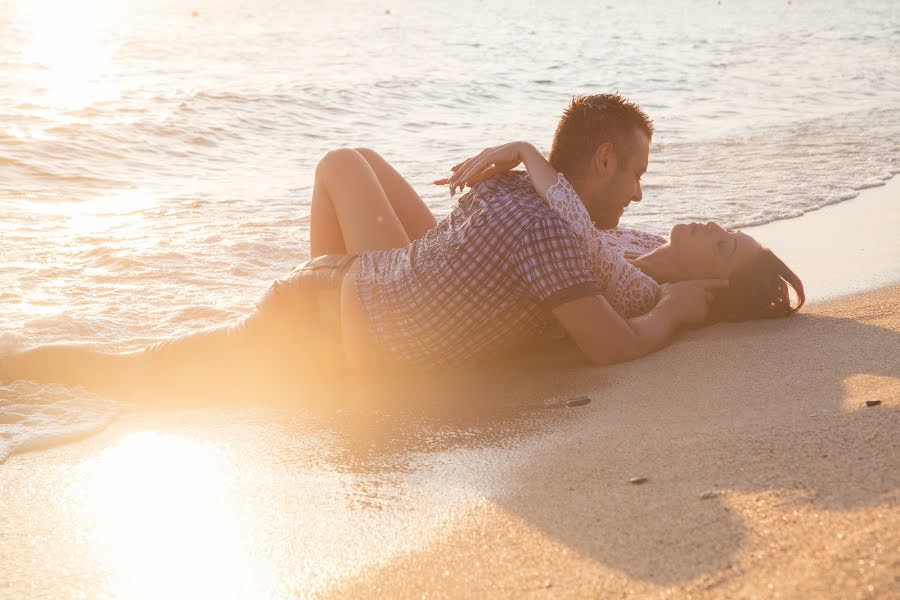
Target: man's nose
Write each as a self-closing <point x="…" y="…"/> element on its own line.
<point x="639" y="193"/>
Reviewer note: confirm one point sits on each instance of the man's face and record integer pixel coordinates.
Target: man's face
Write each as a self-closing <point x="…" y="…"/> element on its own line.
<point x="615" y="181"/>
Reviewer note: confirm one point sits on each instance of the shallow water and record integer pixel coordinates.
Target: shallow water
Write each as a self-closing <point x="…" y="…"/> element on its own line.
<point x="156" y="159"/>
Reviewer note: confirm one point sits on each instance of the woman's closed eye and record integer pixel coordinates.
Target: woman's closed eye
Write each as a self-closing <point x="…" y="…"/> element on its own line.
<point x="727" y="247"/>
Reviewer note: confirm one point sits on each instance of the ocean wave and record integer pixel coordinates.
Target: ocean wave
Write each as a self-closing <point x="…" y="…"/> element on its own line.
<point x="34" y="416"/>
<point x="50" y="174"/>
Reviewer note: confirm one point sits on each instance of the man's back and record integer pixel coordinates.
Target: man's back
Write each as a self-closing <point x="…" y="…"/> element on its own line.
<point x="481" y="281"/>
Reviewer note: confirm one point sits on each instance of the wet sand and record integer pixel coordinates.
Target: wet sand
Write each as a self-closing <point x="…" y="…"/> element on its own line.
<point x="766" y="476"/>
<point x="843" y="248"/>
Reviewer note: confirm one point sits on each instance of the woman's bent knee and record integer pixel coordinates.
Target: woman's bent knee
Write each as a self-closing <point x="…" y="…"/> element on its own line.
<point x="368" y="154"/>
<point x="337" y="161"/>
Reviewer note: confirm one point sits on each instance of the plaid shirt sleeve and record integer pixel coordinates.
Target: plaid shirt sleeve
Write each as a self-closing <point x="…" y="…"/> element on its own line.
<point x="552" y="266"/>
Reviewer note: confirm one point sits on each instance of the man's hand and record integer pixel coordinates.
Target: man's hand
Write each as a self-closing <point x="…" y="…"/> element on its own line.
<point x="690" y="300"/>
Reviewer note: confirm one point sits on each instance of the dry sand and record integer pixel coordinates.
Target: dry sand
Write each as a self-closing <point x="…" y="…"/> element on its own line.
<point x="767" y="476"/>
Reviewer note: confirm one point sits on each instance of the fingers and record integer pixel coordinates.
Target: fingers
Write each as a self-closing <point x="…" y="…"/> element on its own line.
<point x="456" y="170"/>
<point x="471" y="166"/>
<point x="462" y="177"/>
<point x="478" y="176"/>
<point x="712" y="284"/>
<point x="465" y="177"/>
<point x="486" y="163"/>
<point x="472" y="176"/>
<point x="456" y="180"/>
<point x="486" y="174"/>
<point x="708" y="285"/>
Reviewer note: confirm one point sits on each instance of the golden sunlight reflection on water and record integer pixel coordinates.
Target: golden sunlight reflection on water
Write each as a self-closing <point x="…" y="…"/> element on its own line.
<point x="164" y="523"/>
<point x="115" y="212"/>
<point x="66" y="42"/>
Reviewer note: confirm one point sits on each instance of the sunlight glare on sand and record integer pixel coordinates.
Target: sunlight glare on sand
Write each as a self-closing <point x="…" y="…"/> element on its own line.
<point x="67" y="44"/>
<point x="165" y="524"/>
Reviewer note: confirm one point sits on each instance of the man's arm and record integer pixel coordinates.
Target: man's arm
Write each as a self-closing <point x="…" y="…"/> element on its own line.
<point x="606" y="338"/>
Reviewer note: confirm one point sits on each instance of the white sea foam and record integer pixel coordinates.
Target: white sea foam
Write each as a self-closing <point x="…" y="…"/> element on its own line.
<point x="169" y="165"/>
<point x="36" y="416"/>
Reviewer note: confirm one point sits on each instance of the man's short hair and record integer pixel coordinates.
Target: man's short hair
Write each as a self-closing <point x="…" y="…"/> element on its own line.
<point x="593" y="120"/>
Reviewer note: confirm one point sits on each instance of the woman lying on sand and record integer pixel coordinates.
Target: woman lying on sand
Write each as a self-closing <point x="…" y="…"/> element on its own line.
<point x="346" y="306"/>
<point x="630" y="265"/>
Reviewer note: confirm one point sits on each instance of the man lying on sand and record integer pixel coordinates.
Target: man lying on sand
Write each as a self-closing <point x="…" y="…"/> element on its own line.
<point x="389" y="286"/>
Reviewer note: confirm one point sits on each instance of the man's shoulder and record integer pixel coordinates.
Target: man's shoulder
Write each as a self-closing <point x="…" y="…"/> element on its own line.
<point x="510" y="183"/>
<point x="513" y="193"/>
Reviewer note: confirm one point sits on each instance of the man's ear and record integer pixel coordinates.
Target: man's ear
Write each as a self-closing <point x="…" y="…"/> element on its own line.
<point x="604" y="161"/>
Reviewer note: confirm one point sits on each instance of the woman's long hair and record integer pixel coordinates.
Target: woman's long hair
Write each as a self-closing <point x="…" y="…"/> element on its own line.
<point x="758" y="290"/>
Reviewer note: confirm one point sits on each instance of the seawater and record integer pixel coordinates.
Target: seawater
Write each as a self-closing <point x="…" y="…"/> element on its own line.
<point x="156" y="159"/>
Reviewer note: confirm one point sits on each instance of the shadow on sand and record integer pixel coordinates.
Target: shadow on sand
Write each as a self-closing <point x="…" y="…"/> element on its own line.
<point x="760" y="408"/>
<point x="754" y="407"/>
<point x="802" y="443"/>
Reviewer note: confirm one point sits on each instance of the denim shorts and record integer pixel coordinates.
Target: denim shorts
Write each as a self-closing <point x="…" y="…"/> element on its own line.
<point x="295" y="328"/>
<point x="311" y="292"/>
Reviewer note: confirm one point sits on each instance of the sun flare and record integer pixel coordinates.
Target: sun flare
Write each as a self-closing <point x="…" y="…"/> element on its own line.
<point x="65" y="43"/>
<point x="165" y="522"/>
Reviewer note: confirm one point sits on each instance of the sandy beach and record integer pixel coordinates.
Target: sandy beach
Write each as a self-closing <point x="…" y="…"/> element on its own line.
<point x="771" y="478"/>
<point x="767" y="475"/>
<point x="159" y="163"/>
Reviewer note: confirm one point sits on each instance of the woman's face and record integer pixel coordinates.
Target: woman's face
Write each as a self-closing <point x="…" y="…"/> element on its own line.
<point x="710" y="252"/>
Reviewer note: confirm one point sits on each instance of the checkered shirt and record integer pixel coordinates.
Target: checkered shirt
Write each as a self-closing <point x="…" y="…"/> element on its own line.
<point x="480" y="283"/>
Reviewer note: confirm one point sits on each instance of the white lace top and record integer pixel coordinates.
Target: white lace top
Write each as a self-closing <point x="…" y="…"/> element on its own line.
<point x="628" y="290"/>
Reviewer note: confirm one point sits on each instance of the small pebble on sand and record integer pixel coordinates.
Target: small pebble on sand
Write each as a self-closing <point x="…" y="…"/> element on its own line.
<point x="873" y="402"/>
<point x="708" y="494"/>
<point x="637" y="480"/>
<point x="579" y="401"/>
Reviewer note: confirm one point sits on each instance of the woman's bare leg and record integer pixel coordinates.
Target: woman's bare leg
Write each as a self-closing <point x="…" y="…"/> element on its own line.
<point x="73" y="364"/>
<point x="262" y="352"/>
<point x="350" y="209"/>
<point x="187" y="365"/>
<point x="411" y="210"/>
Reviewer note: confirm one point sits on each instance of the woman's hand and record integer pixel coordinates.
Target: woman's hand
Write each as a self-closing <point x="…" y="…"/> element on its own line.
<point x="486" y="164"/>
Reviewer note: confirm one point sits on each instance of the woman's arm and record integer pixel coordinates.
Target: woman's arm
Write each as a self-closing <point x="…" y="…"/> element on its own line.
<point x="498" y="159"/>
<point x="552" y="186"/>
